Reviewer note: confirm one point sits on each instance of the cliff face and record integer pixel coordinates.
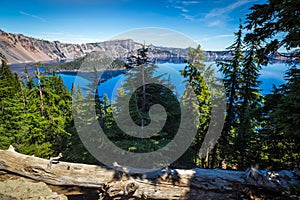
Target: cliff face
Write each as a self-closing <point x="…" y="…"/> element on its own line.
<point x="18" y="48"/>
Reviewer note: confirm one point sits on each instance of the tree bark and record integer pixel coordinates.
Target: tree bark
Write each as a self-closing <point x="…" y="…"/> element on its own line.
<point x="165" y="183"/>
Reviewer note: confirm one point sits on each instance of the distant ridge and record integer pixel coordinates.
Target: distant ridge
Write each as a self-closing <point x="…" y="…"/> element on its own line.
<point x="18" y="48"/>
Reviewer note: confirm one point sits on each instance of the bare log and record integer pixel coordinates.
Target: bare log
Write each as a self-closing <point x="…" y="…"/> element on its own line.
<point x="160" y="184"/>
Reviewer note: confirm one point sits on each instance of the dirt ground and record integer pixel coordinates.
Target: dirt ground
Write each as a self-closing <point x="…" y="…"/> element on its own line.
<point x="16" y="188"/>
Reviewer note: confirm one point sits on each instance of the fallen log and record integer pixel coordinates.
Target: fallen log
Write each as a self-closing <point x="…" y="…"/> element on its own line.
<point x="164" y="183"/>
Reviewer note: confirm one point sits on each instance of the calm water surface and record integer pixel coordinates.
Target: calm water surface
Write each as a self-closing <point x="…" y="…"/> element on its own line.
<point x="272" y="74"/>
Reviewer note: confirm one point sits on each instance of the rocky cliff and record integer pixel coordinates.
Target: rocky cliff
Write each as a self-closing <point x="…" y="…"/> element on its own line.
<point x="17" y="48"/>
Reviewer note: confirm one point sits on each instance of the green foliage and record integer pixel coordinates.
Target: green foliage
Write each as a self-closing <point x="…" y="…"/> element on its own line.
<point x="138" y="107"/>
<point x="281" y="120"/>
<point x="250" y="100"/>
<point x="239" y="139"/>
<point x="34" y="115"/>
<point x="232" y="72"/>
<point x="295" y="190"/>
<point x="89" y="62"/>
<point x="9" y="81"/>
<point x="260" y="130"/>
<point x="75" y="149"/>
<point x="196" y="72"/>
<point x="142" y="99"/>
<point x="276" y="25"/>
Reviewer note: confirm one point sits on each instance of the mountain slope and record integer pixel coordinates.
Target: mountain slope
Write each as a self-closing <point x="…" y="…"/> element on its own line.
<point x="18" y="48"/>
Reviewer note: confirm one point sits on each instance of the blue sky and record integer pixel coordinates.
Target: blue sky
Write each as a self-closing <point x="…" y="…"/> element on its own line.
<point x="209" y="23"/>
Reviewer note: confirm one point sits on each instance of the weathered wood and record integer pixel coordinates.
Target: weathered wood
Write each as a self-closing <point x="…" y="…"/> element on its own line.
<point x="161" y="184"/>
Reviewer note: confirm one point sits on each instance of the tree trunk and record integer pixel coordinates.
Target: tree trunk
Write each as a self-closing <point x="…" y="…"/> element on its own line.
<point x="38" y="76"/>
<point x="163" y="183"/>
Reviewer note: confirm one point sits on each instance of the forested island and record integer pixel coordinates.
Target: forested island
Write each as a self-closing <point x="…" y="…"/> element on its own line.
<point x="256" y="157"/>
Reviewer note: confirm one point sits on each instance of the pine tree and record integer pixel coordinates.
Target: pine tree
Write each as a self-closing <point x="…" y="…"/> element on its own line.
<point x="276" y="24"/>
<point x="231" y="70"/>
<point x="249" y="105"/>
<point x="57" y="110"/>
<point x="10" y="84"/>
<point x="10" y="106"/>
<point x="38" y="76"/>
<point x="142" y="99"/>
<point x="19" y="125"/>
<point x="194" y="72"/>
<point x="47" y="111"/>
<point x="75" y="149"/>
<point x="286" y="117"/>
<point x="273" y="153"/>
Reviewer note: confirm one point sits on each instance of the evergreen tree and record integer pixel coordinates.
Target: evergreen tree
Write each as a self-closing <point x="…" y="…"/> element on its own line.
<point x="276" y="24"/>
<point x="273" y="150"/>
<point x="231" y="70"/>
<point x="10" y="106"/>
<point x="142" y="73"/>
<point x="57" y="111"/>
<point x="75" y="150"/>
<point x="194" y="72"/>
<point x="9" y="81"/>
<point x="280" y="126"/>
<point x="19" y="124"/>
<point x="249" y="103"/>
<point x="239" y="140"/>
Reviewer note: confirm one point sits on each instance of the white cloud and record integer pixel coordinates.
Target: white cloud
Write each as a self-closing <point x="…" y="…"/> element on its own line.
<point x="189" y="2"/>
<point x="214" y="23"/>
<point x="214" y="16"/>
<point x="33" y="16"/>
<point x="182" y="9"/>
<point x="188" y="17"/>
<point x="184" y="6"/>
<point x="52" y="33"/>
<point x="215" y="37"/>
<point x="68" y="37"/>
<point x="224" y="36"/>
<point x="221" y="11"/>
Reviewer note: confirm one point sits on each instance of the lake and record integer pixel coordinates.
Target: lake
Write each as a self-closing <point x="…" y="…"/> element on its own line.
<point x="272" y="74"/>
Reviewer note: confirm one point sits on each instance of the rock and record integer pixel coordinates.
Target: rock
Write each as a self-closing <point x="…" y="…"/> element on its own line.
<point x="17" y="48"/>
<point x="22" y="189"/>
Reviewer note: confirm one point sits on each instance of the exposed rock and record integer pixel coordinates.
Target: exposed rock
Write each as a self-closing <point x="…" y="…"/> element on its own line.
<point x="17" y="48"/>
<point x="21" y="188"/>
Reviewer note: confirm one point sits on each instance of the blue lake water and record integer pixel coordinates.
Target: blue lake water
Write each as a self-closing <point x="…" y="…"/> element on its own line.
<point x="273" y="74"/>
<point x="270" y="75"/>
